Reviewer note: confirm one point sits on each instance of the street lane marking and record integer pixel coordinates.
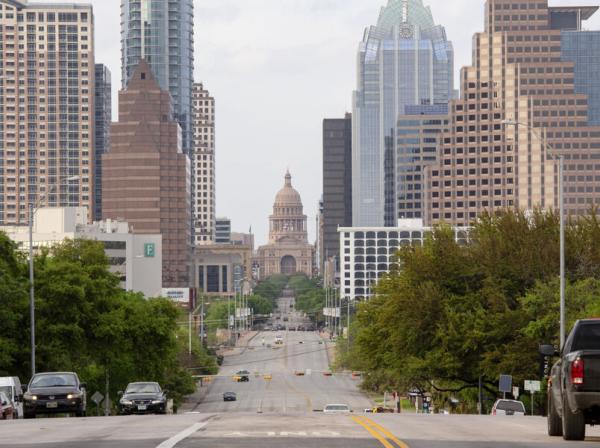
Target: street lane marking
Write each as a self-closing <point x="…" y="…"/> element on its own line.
<point x="374" y="433"/>
<point x="387" y="433"/>
<point x="182" y="435"/>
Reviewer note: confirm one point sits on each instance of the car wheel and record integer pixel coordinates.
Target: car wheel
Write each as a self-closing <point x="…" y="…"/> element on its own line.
<point x="554" y="421"/>
<point x="573" y="424"/>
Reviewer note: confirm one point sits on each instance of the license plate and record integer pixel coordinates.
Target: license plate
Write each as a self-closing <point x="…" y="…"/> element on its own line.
<point x="142" y="407"/>
<point x="52" y="404"/>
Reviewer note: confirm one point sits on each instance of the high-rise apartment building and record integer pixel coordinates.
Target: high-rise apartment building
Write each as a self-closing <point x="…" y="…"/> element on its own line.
<point x="404" y="60"/>
<point x="203" y="166"/>
<point x="146" y="175"/>
<point x="162" y="33"/>
<point x="518" y="74"/>
<point x="418" y="133"/>
<point x="337" y="185"/>
<point x="103" y="117"/>
<point x="46" y="107"/>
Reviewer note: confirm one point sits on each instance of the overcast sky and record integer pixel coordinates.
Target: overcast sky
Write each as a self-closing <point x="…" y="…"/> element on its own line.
<point x="276" y="69"/>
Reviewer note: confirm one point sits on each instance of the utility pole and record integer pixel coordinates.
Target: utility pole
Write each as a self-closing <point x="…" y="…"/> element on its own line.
<point x="561" y="187"/>
<point x="31" y="289"/>
<point x="202" y="321"/>
<point x="348" y="335"/>
<point x="190" y="334"/>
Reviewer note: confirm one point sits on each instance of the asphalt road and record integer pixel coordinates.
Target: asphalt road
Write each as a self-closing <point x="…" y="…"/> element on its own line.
<point x="280" y="412"/>
<point x="287" y="391"/>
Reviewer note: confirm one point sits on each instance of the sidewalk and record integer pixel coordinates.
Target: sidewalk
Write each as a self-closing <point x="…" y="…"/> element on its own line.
<point x="329" y="346"/>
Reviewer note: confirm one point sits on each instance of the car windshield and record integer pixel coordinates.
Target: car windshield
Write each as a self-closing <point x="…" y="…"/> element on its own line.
<point x="336" y="407"/>
<point x="6" y="390"/>
<point x="60" y="380"/>
<point x="515" y="406"/>
<point x="587" y="337"/>
<point x="142" y="388"/>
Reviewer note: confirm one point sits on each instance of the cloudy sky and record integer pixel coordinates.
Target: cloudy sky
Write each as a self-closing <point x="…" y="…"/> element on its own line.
<point x="276" y="69"/>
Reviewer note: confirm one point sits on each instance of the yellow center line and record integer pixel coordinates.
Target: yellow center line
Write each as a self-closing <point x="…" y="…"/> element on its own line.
<point x="374" y="433"/>
<point x="387" y="433"/>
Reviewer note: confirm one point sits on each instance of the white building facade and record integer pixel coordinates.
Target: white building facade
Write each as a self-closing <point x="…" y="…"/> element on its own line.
<point x="136" y="259"/>
<point x="368" y="253"/>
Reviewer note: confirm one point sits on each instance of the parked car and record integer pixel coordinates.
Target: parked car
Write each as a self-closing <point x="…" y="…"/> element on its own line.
<point x="573" y="385"/>
<point x="54" y="393"/>
<point x="11" y="386"/>
<point x="143" y="398"/>
<point x="229" y="396"/>
<point x="7" y="408"/>
<point x="336" y="409"/>
<point x="508" y="407"/>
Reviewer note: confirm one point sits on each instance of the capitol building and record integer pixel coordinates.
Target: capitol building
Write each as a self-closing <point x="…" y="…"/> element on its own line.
<point x="288" y="251"/>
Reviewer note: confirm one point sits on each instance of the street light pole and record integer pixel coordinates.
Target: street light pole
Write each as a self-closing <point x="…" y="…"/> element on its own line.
<point x="561" y="205"/>
<point x="33" y="208"/>
<point x="31" y="289"/>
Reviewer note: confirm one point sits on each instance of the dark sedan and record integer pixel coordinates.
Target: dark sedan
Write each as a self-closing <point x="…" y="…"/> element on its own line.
<point x="229" y="396"/>
<point x="54" y="393"/>
<point x="143" y="398"/>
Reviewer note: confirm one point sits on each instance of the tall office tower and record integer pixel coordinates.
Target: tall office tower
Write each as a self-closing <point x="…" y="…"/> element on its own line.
<point x="222" y="231"/>
<point x="103" y="117"/>
<point x="46" y="107"/>
<point x="203" y="166"/>
<point x="162" y="33"/>
<point x="418" y="139"/>
<point x="404" y="60"/>
<point x="146" y="175"/>
<point x="337" y="185"/>
<point x="517" y="74"/>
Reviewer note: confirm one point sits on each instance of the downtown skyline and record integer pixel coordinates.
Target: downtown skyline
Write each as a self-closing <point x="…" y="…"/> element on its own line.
<point x="257" y="127"/>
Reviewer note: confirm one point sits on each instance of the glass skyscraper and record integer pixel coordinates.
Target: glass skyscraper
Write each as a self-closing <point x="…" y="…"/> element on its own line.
<point x="404" y="60"/>
<point x="581" y="47"/>
<point x="162" y="32"/>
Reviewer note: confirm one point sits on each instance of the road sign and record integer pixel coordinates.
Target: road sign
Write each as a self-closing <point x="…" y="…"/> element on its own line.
<point x="533" y="386"/>
<point x="505" y="384"/>
<point x="149" y="250"/>
<point x="97" y="398"/>
<point x="515" y="392"/>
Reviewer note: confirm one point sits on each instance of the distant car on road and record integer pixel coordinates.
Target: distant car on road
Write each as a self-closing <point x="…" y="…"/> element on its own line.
<point x="54" y="393"/>
<point x="229" y="396"/>
<point x="508" y="407"/>
<point x="7" y="408"/>
<point x="143" y="398"/>
<point x="336" y="409"/>
<point x="242" y="376"/>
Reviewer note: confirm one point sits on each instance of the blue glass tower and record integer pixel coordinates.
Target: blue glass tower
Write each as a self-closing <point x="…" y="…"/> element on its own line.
<point x="162" y="32"/>
<point x="404" y="60"/>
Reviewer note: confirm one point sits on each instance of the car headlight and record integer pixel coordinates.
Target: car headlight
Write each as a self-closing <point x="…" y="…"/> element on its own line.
<point x="125" y="402"/>
<point x="157" y="401"/>
<point x="74" y="395"/>
<point x="30" y="397"/>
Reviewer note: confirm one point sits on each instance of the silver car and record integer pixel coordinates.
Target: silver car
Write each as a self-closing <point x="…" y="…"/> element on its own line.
<point x="508" y="407"/>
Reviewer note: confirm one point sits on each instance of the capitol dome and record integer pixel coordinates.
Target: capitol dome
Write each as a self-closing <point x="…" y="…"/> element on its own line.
<point x="288" y="196"/>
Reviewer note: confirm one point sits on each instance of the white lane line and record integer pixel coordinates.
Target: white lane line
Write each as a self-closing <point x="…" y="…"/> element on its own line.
<point x="182" y="435"/>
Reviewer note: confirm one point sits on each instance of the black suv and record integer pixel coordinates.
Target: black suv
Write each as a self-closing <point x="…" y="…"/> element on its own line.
<point x="54" y="393"/>
<point x="143" y="398"/>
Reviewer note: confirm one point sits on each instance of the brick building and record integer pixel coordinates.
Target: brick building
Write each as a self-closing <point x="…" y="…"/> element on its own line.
<point x="147" y="175"/>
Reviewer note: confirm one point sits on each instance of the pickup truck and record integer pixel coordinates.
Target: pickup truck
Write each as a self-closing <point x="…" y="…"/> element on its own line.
<point x="574" y="382"/>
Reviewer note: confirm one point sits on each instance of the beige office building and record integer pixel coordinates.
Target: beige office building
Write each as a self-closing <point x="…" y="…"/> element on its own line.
<point x="517" y="74"/>
<point x="203" y="165"/>
<point x="46" y="107"/>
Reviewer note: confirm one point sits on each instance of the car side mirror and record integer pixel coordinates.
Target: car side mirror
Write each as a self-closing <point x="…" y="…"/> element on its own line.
<point x="24" y="388"/>
<point x="165" y="391"/>
<point x="548" y="350"/>
<point x="82" y="385"/>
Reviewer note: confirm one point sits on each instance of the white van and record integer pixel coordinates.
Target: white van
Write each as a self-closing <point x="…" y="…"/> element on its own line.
<point x="11" y="386"/>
